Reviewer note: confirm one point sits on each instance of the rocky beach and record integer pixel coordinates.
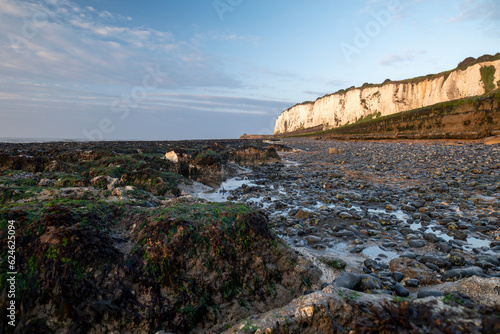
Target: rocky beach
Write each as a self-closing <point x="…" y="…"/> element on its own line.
<point x="246" y="236"/>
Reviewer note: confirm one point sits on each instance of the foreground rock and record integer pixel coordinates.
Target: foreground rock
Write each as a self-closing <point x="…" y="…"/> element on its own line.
<point x="106" y="244"/>
<point x="187" y="267"/>
<point x="338" y="310"/>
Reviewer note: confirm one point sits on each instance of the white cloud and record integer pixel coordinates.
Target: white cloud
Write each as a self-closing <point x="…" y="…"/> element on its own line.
<point x="78" y="44"/>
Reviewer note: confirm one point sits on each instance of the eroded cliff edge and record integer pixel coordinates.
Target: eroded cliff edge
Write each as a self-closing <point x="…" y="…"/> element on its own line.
<point x="472" y="77"/>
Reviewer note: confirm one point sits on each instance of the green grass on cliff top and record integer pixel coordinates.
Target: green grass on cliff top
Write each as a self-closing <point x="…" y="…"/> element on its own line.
<point x="440" y="107"/>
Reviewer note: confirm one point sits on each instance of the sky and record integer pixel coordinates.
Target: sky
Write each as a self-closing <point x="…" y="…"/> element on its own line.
<point x="214" y="69"/>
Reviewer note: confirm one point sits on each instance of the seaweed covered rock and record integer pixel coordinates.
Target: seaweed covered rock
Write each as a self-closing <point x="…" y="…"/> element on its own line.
<point x="255" y="155"/>
<point x="92" y="267"/>
<point x="210" y="264"/>
<point x="338" y="310"/>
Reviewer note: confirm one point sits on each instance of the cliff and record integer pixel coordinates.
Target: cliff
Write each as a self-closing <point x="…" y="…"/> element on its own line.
<point x="472" y="77"/>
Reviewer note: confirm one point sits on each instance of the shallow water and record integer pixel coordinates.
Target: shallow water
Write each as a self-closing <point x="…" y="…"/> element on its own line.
<point x="221" y="193"/>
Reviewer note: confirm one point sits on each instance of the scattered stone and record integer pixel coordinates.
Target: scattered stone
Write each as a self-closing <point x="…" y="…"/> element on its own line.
<point x="312" y="239"/>
<point x="416" y="243"/>
<point x="456" y="259"/>
<point x="432" y="266"/>
<point x="444" y="247"/>
<point x="334" y="150"/>
<point x="412" y="283"/>
<point x="413" y="269"/>
<point x="409" y="255"/>
<point x="398" y="276"/>
<point x="348" y="281"/>
<point x="431" y="237"/>
<point x="368" y="282"/>
<point x="457" y="274"/>
<point x="400" y="290"/>
<point x="357" y="249"/>
<point x="302" y="214"/>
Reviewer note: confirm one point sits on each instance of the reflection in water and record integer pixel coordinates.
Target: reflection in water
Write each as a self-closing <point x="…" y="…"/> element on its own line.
<point x="221" y="193"/>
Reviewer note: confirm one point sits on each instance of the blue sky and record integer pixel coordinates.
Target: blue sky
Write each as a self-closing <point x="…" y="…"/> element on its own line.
<point x="165" y="69"/>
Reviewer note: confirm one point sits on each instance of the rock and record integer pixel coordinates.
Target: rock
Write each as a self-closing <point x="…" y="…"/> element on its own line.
<point x="368" y="282"/>
<point x="345" y="233"/>
<point x="412" y="283"/>
<point x="348" y="281"/>
<point x="45" y="183"/>
<point x="435" y="260"/>
<point x="357" y="249"/>
<point x="408" y="207"/>
<point x="432" y="266"/>
<point x="345" y="215"/>
<point x="175" y="156"/>
<point x="429" y="293"/>
<point x="391" y="207"/>
<point x="459" y="235"/>
<point x="416" y="243"/>
<point x="431" y="237"/>
<point x="333" y="262"/>
<point x="331" y="310"/>
<point x="456" y="259"/>
<point x="409" y="255"/>
<point x="334" y="150"/>
<point x="398" y="276"/>
<point x="413" y="269"/>
<point x="484" y="264"/>
<point x="302" y="214"/>
<point x="484" y="291"/>
<point x="312" y="239"/>
<point x="492" y="140"/>
<point x="113" y="183"/>
<point x="457" y="274"/>
<point x="400" y="290"/>
<point x="444" y="247"/>
<point x="105" y="182"/>
<point x="371" y="264"/>
<point x="488" y="258"/>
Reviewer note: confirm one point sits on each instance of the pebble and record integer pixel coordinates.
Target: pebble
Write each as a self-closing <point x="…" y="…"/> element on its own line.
<point x="456" y="274"/>
<point x="416" y="243"/>
<point x="348" y="281"/>
<point x="400" y="290"/>
<point x="412" y="283"/>
<point x="368" y="282"/>
<point x="357" y="249"/>
<point x="334" y="202"/>
<point x="398" y="276"/>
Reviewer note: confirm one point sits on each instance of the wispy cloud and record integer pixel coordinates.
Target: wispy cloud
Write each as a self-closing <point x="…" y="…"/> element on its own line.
<point x="63" y="41"/>
<point x="484" y="13"/>
<point x="479" y="10"/>
<point x="396" y="59"/>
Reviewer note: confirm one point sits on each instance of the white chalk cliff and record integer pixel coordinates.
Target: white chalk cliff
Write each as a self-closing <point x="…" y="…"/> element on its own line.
<point x="389" y="98"/>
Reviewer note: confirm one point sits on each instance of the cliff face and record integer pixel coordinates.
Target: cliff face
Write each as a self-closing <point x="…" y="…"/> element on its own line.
<point x="390" y="98"/>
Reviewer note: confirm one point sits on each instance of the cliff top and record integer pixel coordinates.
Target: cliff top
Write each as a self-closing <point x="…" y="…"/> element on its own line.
<point x="463" y="65"/>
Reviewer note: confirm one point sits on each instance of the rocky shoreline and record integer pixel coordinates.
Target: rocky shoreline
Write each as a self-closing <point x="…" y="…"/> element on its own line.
<point x="323" y="236"/>
<point x="394" y="219"/>
<point x="387" y="200"/>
